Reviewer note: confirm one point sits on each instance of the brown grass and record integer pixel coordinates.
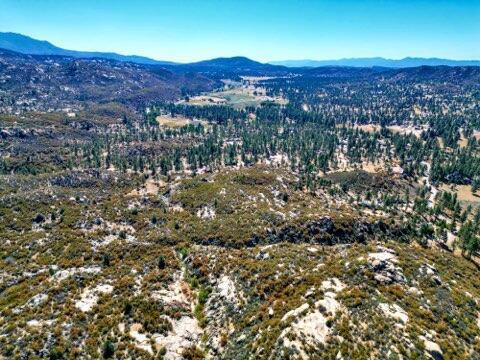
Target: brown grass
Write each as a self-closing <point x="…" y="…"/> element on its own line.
<point x="464" y="192"/>
<point x="172" y="122"/>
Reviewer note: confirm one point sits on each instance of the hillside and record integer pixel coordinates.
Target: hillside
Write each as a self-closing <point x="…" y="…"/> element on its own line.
<point x="232" y="67"/>
<point x="31" y="82"/>
<point x="27" y="45"/>
<point x="230" y="209"/>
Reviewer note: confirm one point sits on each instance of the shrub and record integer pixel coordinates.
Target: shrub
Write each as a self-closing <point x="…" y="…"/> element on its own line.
<point x="127" y="309"/>
<point x="161" y="262"/>
<point x="106" y="260"/>
<point x="192" y="353"/>
<point x="39" y="218"/>
<point x="108" y="349"/>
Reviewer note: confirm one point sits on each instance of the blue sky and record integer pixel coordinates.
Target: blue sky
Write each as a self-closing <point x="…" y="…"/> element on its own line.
<point x="182" y="30"/>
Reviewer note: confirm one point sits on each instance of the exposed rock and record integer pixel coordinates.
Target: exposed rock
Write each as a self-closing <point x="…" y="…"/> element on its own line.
<point x="66" y="273"/>
<point x="222" y="303"/>
<point x="176" y="295"/>
<point x="430" y="271"/>
<point x="37" y="300"/>
<point x="313" y="328"/>
<point x="262" y="255"/>
<point x="206" y="213"/>
<point x="226" y="288"/>
<point x="39" y="323"/>
<point x="329" y="304"/>
<point x="185" y="333"/>
<point x="433" y="349"/>
<point x="89" y="297"/>
<point x="414" y="291"/>
<point x="394" y="311"/>
<point x="141" y="340"/>
<point x="106" y="240"/>
<point x="383" y="264"/>
<point x="333" y="284"/>
<point x="296" y="312"/>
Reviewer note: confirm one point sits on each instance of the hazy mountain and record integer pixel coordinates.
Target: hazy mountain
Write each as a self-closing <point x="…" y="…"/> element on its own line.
<point x="237" y="64"/>
<point x="377" y="61"/>
<point x="27" y="45"/>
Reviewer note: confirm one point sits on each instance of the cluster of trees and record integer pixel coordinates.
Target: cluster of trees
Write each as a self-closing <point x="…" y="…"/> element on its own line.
<point x="310" y="143"/>
<point x="304" y="142"/>
<point x="466" y="221"/>
<point x="364" y="96"/>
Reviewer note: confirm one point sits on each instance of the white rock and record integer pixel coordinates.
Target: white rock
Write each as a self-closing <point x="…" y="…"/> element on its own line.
<point x="432" y="348"/>
<point x="262" y="255"/>
<point x="226" y="288"/>
<point x="89" y="297"/>
<point x="174" y="294"/>
<point x="141" y="340"/>
<point x="333" y="284"/>
<point x="39" y="323"/>
<point x="414" y="291"/>
<point x="207" y="213"/>
<point x="394" y="311"/>
<point x="296" y="312"/>
<point x="37" y="300"/>
<point x="66" y="273"/>
<point x="313" y="326"/>
<point x="185" y="333"/>
<point x="329" y="303"/>
<point x="381" y="256"/>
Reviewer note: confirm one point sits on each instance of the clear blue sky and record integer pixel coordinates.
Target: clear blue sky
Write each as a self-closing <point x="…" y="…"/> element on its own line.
<point x="182" y="30"/>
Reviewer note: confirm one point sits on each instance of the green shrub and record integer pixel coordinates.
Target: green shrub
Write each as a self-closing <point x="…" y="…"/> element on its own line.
<point x="108" y="350"/>
<point x="161" y="262"/>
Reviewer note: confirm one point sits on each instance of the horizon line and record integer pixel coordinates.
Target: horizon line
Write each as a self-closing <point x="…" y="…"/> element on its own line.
<point x="119" y="52"/>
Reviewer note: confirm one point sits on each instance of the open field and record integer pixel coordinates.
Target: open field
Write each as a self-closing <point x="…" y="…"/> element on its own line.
<point x="464" y="194"/>
<point x="236" y="95"/>
<point x="175" y="122"/>
<point x="370" y="128"/>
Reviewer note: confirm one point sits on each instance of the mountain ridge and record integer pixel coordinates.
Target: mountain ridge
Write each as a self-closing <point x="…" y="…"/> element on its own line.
<point x="27" y="45"/>
<point x="377" y="62"/>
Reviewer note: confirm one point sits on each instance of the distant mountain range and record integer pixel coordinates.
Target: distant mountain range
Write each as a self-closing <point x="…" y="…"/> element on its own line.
<point x="377" y="61"/>
<point x="27" y="45"/>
